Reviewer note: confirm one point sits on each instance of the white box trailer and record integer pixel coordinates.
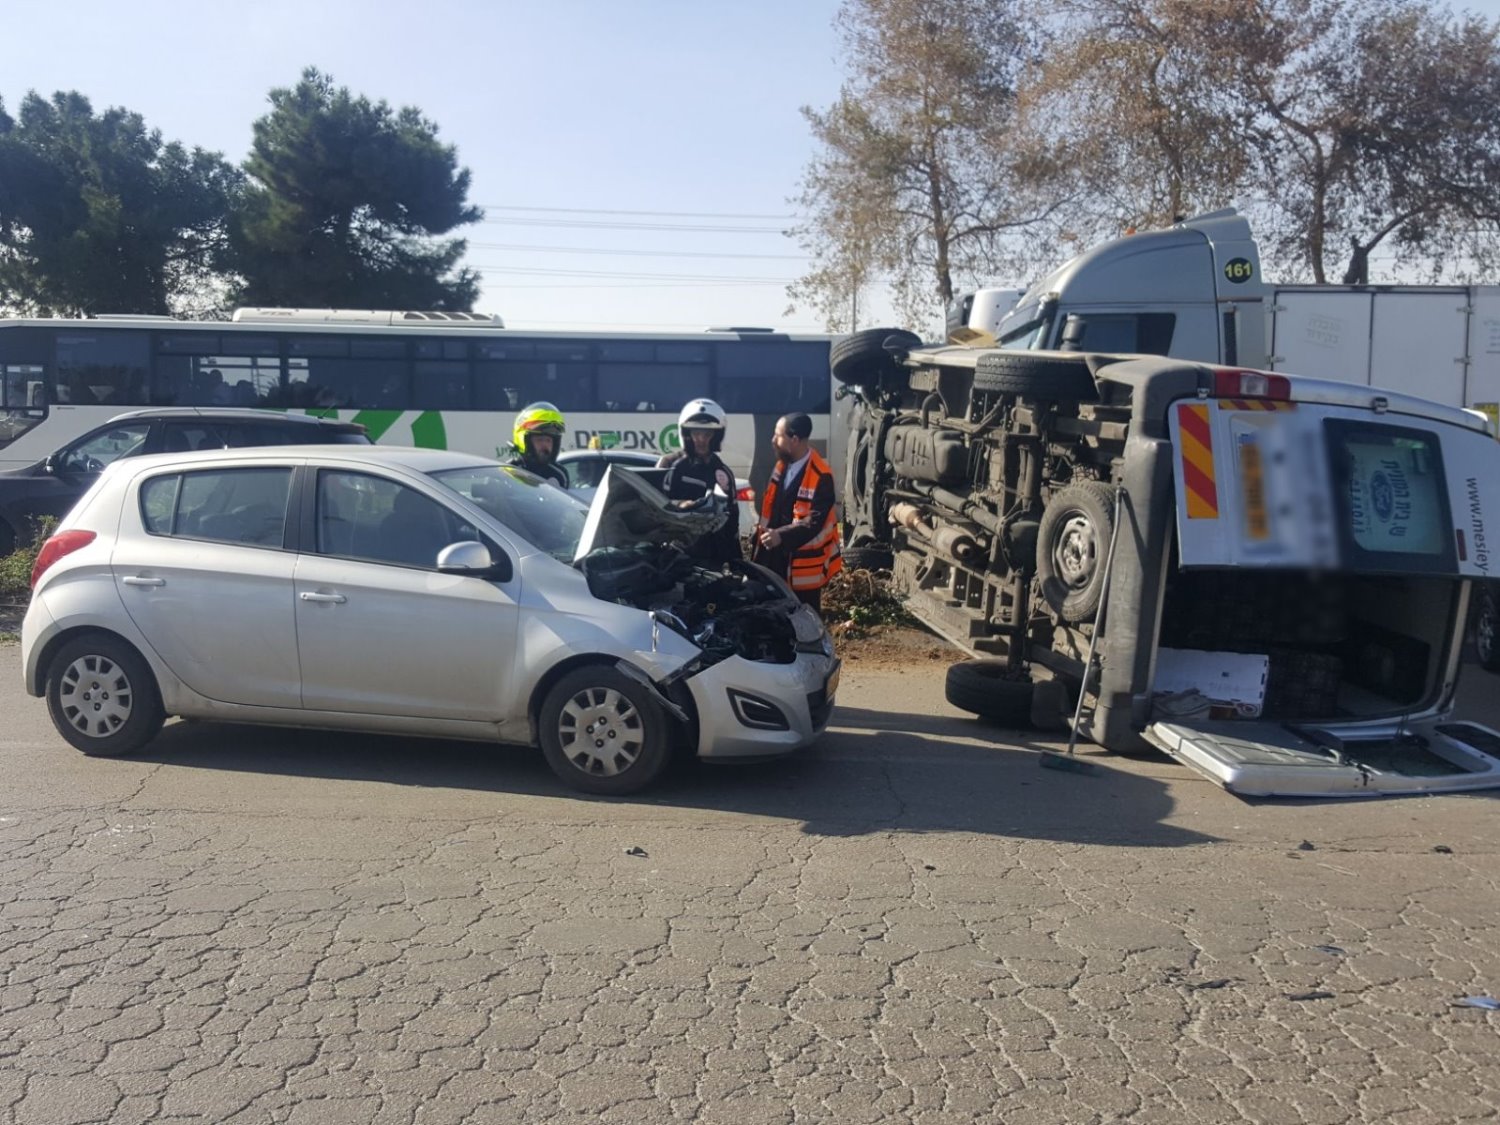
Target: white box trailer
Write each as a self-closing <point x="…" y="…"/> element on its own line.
<point x="1439" y="342"/>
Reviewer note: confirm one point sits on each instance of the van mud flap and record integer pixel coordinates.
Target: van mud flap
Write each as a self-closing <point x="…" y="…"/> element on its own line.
<point x="1263" y="759"/>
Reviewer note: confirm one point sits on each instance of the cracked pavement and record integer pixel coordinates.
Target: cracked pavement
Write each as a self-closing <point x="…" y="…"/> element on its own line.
<point x="913" y="923"/>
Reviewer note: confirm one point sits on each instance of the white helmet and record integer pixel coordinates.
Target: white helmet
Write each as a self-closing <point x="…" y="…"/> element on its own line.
<point x="701" y="414"/>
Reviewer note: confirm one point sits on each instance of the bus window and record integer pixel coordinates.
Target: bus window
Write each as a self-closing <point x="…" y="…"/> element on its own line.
<point x="651" y="387"/>
<point x="102" y="368"/>
<point x="440" y="385"/>
<point x="216" y="380"/>
<point x="510" y="386"/>
<point x="773" y="377"/>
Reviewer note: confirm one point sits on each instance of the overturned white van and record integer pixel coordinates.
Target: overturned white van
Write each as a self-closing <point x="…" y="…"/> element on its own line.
<point x="1264" y="576"/>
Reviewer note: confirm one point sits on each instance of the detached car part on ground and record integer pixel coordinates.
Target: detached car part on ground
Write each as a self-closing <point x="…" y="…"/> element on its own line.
<point x="1292" y="558"/>
<point x="416" y="592"/>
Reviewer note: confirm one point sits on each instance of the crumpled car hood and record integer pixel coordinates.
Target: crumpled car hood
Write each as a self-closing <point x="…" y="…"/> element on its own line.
<point x="627" y="510"/>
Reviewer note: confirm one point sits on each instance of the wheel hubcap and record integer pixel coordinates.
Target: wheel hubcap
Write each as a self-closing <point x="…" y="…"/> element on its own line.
<point x="95" y="695"/>
<point x="1076" y="556"/>
<point x="601" y="732"/>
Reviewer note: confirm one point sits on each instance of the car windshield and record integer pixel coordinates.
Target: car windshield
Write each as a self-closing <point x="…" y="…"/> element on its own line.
<point x="544" y="515"/>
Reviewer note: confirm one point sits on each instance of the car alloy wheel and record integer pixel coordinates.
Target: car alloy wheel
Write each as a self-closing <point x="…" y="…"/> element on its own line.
<point x="102" y="696"/>
<point x="603" y="732"/>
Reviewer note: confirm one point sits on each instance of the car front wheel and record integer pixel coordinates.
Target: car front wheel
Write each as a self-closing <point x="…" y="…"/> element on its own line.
<point x="102" y="696"/>
<point x="603" y="732"/>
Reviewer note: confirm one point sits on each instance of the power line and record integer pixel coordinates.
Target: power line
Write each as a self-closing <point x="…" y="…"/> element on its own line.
<point x="589" y="224"/>
<point x="657" y="214"/>
<point x="628" y="275"/>
<point x="636" y="253"/>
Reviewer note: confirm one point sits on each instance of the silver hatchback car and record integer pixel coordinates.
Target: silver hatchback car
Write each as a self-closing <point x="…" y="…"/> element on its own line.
<point x="416" y="592"/>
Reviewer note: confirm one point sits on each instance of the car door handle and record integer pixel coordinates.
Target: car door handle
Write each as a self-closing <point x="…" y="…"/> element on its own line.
<point x="335" y="599"/>
<point x="136" y="580"/>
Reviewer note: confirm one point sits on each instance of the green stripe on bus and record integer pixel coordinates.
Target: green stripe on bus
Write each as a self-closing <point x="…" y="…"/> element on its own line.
<point x="428" y="431"/>
<point x="377" y="422"/>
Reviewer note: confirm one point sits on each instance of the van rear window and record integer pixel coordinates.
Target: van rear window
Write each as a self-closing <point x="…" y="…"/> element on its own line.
<point x="1392" y="497"/>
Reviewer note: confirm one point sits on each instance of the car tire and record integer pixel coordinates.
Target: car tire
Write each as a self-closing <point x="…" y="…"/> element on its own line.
<point x="1053" y="378"/>
<point x="985" y="688"/>
<point x="867" y="558"/>
<point x="1486" y="627"/>
<point x="861" y="358"/>
<point x="624" y="754"/>
<point x="1072" y="543"/>
<point x="102" y="696"/>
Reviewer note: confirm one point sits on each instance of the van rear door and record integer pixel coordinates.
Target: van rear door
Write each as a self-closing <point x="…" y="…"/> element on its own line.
<point x="1265" y="484"/>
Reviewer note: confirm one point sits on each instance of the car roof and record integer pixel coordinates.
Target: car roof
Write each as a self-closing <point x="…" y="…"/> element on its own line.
<point x="608" y="455"/>
<point x="227" y="413"/>
<point x="377" y="456"/>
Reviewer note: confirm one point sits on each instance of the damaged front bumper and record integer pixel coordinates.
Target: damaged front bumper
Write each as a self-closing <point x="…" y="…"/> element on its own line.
<point x="749" y="709"/>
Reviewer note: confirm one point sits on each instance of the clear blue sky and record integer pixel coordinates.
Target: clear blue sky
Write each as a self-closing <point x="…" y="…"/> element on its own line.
<point x="584" y="107"/>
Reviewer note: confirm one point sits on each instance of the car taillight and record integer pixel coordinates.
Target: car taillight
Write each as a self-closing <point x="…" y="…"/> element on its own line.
<point x="747" y="494"/>
<point x="62" y="544"/>
<point x="1251" y="384"/>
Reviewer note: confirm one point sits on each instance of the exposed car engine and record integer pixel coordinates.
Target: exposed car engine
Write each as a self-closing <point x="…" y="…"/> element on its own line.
<point x="738" y="610"/>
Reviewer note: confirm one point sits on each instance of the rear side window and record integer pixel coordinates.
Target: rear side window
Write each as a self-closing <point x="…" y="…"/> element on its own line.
<point x="224" y="505"/>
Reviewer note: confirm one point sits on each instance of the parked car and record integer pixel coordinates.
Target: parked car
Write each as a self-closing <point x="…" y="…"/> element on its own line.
<point x="54" y="484"/>
<point x="415" y="592"/>
<point x="586" y="468"/>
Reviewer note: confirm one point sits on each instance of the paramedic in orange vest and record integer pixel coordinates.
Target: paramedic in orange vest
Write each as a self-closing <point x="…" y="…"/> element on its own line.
<point x="798" y="533"/>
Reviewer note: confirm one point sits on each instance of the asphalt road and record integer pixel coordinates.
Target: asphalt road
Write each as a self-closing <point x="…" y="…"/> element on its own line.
<point x="911" y="923"/>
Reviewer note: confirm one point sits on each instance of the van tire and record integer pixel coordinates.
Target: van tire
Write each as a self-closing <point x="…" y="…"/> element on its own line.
<point x="1052" y="378"/>
<point x="1486" y="628"/>
<point x="983" y="688"/>
<point x="867" y="557"/>
<point x="861" y="358"/>
<point x="1072" y="543"/>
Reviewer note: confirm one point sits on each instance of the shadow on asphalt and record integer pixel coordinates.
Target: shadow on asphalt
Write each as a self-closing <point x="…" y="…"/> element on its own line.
<point x="868" y="774"/>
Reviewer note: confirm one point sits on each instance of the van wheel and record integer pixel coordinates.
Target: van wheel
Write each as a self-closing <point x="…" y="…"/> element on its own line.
<point x="102" y="696"/>
<point x="862" y="357"/>
<point x="985" y="688"/>
<point x="1053" y="378"/>
<point x="1486" y="625"/>
<point x="866" y="557"/>
<point x="603" y="732"/>
<point x="1071" y="544"/>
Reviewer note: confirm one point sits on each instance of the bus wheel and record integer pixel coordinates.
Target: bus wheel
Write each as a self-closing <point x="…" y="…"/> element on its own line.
<point x="1071" y="544"/>
<point x="1052" y="378"/>
<point x="862" y="357"/>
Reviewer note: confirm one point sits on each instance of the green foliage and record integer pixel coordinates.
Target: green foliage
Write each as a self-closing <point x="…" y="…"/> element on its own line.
<point x="344" y="202"/>
<point x="98" y="215"/>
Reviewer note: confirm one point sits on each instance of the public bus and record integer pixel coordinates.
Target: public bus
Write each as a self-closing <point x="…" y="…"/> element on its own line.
<point x="439" y="380"/>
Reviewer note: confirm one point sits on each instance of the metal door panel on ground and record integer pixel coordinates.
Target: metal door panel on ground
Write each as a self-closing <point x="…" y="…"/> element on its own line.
<point x="1283" y="760"/>
<point x="1322" y="334"/>
<point x="219" y="615"/>
<point x="1417" y="344"/>
<point x="382" y="639"/>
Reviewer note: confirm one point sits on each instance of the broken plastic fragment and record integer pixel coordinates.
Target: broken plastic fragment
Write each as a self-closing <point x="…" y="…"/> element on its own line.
<point x="1331" y="950"/>
<point x="1315" y="995"/>
<point x="1487" y="1003"/>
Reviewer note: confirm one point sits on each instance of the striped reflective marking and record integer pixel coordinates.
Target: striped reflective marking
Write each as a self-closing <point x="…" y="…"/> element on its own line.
<point x="1197" y="442"/>
<point x="1254" y="404"/>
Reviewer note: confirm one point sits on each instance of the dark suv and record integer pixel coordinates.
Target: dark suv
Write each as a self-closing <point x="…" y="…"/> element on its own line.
<point x="53" y="485"/>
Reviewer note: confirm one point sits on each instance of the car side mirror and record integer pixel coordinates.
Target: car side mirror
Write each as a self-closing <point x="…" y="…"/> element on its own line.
<point x="474" y="560"/>
<point x="49" y="466"/>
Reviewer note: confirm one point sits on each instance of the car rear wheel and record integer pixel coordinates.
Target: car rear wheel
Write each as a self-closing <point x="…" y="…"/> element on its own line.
<point x="1073" y="542"/>
<point x="603" y="732"/>
<point x="102" y="696"/>
<point x="863" y="357"/>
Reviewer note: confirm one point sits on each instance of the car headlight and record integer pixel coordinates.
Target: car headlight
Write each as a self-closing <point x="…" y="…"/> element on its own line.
<point x="807" y="625"/>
